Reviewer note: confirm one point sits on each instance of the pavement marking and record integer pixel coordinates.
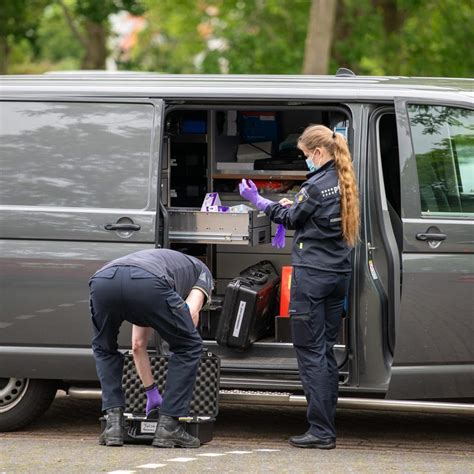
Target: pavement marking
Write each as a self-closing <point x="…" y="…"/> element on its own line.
<point x="150" y="466"/>
<point x="25" y="316"/>
<point x="181" y="459"/>
<point x="82" y="301"/>
<point x="47" y="310"/>
<point x="121" y="472"/>
<point x="211" y="455"/>
<point x="65" y="305"/>
<point x="263" y="450"/>
<point x="239" y="452"/>
<point x="4" y="325"/>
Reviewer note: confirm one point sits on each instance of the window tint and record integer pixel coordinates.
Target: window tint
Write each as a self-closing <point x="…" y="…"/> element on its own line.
<point x="443" y="141"/>
<point x="75" y="155"/>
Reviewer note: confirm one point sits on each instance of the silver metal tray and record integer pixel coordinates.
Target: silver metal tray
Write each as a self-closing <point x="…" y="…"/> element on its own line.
<point x="192" y="225"/>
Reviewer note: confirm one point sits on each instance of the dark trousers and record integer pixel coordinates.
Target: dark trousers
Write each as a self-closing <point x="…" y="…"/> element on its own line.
<point x="131" y="294"/>
<point x="316" y="304"/>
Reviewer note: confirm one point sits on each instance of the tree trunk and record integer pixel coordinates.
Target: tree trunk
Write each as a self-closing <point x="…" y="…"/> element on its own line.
<point x="393" y="18"/>
<point x="319" y="36"/>
<point x="342" y="31"/>
<point x="4" y="53"/>
<point x="96" y="48"/>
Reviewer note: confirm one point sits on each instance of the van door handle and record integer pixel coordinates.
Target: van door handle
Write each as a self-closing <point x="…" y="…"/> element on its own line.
<point x="425" y="236"/>
<point x="122" y="227"/>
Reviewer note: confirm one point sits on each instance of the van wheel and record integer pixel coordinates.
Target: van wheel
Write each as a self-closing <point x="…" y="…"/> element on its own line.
<point x="23" y="401"/>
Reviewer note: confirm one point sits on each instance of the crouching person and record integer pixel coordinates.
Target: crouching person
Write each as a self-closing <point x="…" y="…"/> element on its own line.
<point x="147" y="288"/>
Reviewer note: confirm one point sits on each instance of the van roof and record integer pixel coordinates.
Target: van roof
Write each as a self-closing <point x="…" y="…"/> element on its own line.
<point x="264" y="87"/>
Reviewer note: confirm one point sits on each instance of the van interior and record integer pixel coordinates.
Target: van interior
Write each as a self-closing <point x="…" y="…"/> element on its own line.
<point x="210" y="149"/>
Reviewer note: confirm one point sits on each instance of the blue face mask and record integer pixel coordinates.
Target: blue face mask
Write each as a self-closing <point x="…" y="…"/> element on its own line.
<point x="311" y="166"/>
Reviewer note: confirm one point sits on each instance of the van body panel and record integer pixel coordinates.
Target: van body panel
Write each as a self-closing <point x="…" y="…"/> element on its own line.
<point x="48" y="252"/>
<point x="53" y="363"/>
<point x="370" y="366"/>
<point x="432" y="381"/>
<point x="383" y="252"/>
<point x="436" y="318"/>
<point x="90" y="159"/>
<point x="200" y="87"/>
<point x="18" y="222"/>
<point x="45" y="294"/>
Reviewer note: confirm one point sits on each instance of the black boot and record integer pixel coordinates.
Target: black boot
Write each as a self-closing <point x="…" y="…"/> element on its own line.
<point x="170" y="433"/>
<point x="114" y="429"/>
<point x="308" y="440"/>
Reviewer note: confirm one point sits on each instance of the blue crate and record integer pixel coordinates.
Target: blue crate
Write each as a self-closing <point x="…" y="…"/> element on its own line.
<point x="258" y="127"/>
<point x="194" y="126"/>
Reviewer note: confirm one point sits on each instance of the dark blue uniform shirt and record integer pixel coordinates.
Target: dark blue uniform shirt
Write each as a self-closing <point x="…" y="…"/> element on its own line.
<point x="182" y="272"/>
<point x="316" y="217"/>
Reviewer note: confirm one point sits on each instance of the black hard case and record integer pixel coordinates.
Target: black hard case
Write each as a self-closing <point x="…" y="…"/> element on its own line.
<point x="204" y="405"/>
<point x="247" y="311"/>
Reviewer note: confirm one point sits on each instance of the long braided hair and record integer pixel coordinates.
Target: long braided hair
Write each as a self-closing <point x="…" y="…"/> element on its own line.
<point x="320" y="136"/>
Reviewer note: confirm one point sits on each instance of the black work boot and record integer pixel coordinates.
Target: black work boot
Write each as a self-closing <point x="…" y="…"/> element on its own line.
<point x="170" y="433"/>
<point x="114" y="429"/>
<point x="308" y="440"/>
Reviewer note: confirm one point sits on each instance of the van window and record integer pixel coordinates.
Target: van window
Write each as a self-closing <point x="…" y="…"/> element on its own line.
<point x="75" y="154"/>
<point x="443" y="142"/>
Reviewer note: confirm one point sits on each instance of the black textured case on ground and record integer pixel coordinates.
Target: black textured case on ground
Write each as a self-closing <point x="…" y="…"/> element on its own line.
<point x="247" y="312"/>
<point x="204" y="405"/>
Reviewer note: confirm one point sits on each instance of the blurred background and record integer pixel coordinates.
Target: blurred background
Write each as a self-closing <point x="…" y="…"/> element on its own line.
<point x="371" y="37"/>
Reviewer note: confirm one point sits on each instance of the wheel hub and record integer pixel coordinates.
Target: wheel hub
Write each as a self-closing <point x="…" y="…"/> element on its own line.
<point x="11" y="392"/>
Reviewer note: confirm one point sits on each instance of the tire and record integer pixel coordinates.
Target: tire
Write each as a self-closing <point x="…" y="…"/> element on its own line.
<point x="23" y="401"/>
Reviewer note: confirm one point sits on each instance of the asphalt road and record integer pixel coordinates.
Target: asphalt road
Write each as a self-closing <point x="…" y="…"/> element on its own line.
<point x="246" y="439"/>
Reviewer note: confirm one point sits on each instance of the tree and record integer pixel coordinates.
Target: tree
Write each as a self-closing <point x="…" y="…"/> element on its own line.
<point x="404" y="37"/>
<point x="89" y="22"/>
<point x="18" y="22"/>
<point x="319" y="36"/>
<point x="223" y="36"/>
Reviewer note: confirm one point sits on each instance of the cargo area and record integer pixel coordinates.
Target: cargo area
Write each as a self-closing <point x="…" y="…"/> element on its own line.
<point x="210" y="149"/>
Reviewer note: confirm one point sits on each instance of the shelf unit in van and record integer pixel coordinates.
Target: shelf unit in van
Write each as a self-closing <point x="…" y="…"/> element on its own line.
<point x="233" y="242"/>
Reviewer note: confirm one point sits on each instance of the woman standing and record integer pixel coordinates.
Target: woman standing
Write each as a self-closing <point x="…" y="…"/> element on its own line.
<point x="325" y="217"/>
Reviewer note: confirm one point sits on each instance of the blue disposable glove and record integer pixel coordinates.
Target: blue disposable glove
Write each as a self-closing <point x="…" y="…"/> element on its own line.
<point x="249" y="191"/>
<point x="279" y="240"/>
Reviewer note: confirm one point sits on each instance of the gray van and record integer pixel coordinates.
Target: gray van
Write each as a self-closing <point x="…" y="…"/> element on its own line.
<point x="95" y="166"/>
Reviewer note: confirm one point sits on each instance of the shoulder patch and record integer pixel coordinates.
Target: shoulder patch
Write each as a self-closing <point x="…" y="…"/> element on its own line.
<point x="330" y="191"/>
<point x="302" y="196"/>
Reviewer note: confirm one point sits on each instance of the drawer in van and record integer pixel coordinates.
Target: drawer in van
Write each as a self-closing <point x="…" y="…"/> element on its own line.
<point x="192" y="225"/>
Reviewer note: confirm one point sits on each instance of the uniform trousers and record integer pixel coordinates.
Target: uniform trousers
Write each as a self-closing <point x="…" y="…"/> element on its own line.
<point x="126" y="293"/>
<point x="316" y="304"/>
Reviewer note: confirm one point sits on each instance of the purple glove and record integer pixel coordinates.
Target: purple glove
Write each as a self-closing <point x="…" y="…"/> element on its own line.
<point x="249" y="191"/>
<point x="279" y="240"/>
<point x="153" y="398"/>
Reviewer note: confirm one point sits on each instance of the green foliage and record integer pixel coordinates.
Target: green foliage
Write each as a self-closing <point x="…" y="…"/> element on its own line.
<point x="57" y="44"/>
<point x="234" y="36"/>
<point x="432" y="38"/>
<point x="439" y="41"/>
<point x="19" y="18"/>
<point x="372" y="37"/>
<point x="99" y="11"/>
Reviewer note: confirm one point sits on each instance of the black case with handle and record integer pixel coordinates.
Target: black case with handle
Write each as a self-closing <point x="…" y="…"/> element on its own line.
<point x="247" y="311"/>
<point x="204" y="405"/>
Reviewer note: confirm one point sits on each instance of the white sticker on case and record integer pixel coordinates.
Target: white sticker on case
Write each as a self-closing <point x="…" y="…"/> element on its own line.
<point x="240" y="317"/>
<point x="148" y="426"/>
